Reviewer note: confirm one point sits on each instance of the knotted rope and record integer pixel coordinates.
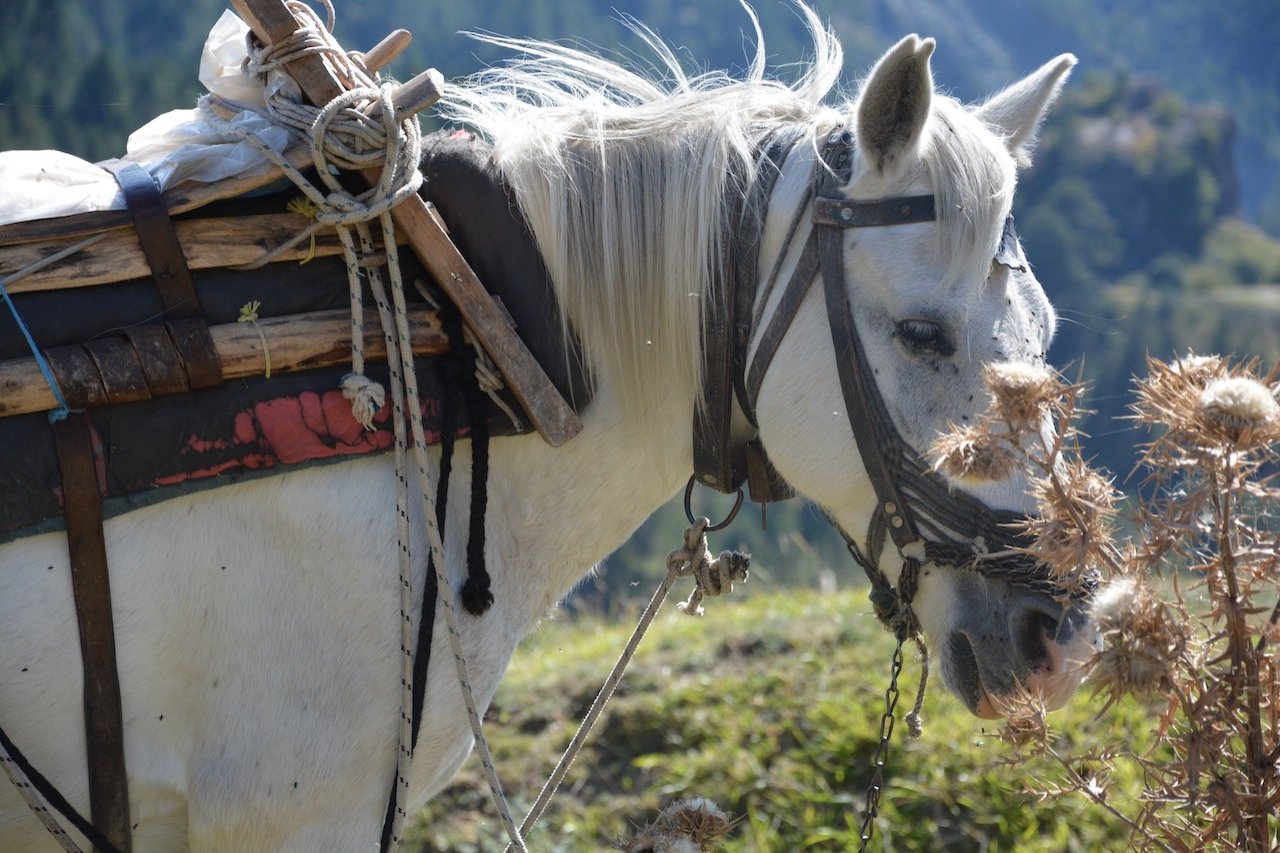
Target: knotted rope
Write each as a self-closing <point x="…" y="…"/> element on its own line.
<point x="358" y="131"/>
<point x="711" y="577"/>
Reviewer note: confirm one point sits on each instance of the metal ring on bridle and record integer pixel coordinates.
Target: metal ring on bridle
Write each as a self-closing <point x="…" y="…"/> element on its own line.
<point x="688" y="508"/>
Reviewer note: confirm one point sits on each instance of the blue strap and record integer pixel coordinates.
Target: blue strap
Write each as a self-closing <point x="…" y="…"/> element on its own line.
<point x="63" y="410"/>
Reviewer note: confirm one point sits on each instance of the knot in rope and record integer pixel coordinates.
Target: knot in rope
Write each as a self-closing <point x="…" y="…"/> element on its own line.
<point x="892" y="606"/>
<point x="367" y="398"/>
<point x="345" y="136"/>
<point x="712" y="576"/>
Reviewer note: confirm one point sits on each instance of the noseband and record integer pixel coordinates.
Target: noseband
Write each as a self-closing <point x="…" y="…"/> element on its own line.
<point x="926" y="519"/>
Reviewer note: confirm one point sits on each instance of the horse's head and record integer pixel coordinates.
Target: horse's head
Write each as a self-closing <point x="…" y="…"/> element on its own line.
<point x="632" y="190"/>
<point x="937" y="290"/>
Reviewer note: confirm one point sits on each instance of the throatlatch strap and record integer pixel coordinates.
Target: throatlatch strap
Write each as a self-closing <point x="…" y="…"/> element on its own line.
<point x="717" y="461"/>
<point x="103" y="721"/>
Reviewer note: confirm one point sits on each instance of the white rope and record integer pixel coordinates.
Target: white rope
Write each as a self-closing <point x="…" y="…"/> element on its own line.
<point x="444" y="585"/>
<point x="711" y="576"/>
<point x="488" y="376"/>
<point x="35" y="802"/>
<point x="342" y="134"/>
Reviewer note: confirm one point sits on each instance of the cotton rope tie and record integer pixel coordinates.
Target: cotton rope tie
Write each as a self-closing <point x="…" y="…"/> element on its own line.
<point x="344" y="137"/>
<point x="712" y="577"/>
<point x="35" y="802"/>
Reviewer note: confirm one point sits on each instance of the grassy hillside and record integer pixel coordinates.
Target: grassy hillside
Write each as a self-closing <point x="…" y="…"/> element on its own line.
<point x="769" y="706"/>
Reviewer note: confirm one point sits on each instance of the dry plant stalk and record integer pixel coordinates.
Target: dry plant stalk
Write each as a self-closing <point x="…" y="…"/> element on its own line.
<point x="1188" y="621"/>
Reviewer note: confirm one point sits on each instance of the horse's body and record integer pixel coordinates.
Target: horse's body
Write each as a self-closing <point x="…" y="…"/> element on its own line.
<point x="255" y="624"/>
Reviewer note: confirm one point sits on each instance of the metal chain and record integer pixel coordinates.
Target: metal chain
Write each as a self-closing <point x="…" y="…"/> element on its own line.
<point x="876" y="788"/>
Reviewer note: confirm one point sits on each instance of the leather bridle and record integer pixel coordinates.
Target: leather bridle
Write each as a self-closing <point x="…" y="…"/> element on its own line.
<point x="926" y="519"/>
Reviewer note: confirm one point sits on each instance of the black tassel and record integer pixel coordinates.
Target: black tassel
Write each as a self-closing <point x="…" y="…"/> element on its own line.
<point x="476" y="597"/>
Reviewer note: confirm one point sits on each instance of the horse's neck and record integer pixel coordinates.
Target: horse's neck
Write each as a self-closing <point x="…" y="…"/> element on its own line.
<point x="563" y="510"/>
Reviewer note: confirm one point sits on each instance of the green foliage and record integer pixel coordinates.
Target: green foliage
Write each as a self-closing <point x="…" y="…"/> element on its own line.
<point x="1074" y="237"/>
<point x="1238" y="251"/>
<point x="770" y="706"/>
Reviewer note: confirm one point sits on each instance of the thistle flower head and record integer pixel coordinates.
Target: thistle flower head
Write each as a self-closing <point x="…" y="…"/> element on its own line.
<point x="1075" y="525"/>
<point x="973" y="454"/>
<point x="1141" y="639"/>
<point x="1198" y="368"/>
<point x="1238" y="405"/>
<point x="1022" y="393"/>
<point x="693" y="825"/>
<point x="1204" y="402"/>
<point x="1025" y="724"/>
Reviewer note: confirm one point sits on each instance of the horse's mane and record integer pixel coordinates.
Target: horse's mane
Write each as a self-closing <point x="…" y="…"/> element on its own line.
<point x="628" y="183"/>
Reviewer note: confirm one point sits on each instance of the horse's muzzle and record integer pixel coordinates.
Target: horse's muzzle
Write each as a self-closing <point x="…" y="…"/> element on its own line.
<point x="1025" y="644"/>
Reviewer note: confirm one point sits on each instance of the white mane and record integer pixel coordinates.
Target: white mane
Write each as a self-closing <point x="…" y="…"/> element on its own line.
<point x="628" y="184"/>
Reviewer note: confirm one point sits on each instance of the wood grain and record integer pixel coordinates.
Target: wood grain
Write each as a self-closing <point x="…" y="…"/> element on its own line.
<point x="296" y="342"/>
<point x="206" y="244"/>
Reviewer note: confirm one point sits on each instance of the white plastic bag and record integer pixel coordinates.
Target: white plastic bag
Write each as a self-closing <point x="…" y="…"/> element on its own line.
<point x="178" y="147"/>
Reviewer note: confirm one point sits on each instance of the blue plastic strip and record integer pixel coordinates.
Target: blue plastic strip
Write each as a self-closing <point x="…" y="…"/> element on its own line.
<point x="63" y="410"/>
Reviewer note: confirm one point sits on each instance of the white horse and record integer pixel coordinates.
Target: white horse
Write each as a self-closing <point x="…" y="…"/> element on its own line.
<point x="256" y="625"/>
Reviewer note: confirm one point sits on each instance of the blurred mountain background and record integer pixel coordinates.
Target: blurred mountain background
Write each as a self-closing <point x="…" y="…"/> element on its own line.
<point x="1151" y="214"/>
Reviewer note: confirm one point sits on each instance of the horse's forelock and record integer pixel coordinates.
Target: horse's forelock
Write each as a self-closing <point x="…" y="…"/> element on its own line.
<point x="973" y="177"/>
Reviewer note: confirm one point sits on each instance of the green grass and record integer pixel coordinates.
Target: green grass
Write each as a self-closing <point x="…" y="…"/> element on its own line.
<point x="770" y="706"/>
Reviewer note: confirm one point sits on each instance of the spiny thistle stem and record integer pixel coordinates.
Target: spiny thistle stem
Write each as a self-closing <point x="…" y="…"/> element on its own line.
<point x="1211" y="769"/>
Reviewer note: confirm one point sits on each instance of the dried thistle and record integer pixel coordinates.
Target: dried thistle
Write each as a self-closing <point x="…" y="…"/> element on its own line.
<point x="1242" y="409"/>
<point x="1207" y="661"/>
<point x="693" y="825"/>
<point x="1022" y="394"/>
<point x="1205" y="405"/>
<point x="1073" y="534"/>
<point x="1025" y="726"/>
<point x="973" y="454"/>
<point x="1142" y="640"/>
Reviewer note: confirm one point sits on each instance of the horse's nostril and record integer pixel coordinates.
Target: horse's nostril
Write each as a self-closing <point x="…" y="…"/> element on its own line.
<point x="1031" y="630"/>
<point x="962" y="665"/>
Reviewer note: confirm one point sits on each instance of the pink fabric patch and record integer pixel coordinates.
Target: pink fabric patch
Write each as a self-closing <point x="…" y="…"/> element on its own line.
<point x="286" y="430"/>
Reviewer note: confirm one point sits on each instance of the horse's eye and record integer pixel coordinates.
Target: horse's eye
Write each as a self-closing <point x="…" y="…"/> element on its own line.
<point x="925" y="337"/>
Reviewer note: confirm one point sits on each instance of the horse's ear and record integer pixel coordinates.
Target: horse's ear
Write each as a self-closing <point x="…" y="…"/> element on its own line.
<point x="894" y="104"/>
<point x="1016" y="112"/>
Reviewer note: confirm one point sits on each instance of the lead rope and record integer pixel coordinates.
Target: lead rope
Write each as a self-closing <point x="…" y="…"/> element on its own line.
<point x="34" y="801"/>
<point x="342" y="136"/>
<point x="713" y="576"/>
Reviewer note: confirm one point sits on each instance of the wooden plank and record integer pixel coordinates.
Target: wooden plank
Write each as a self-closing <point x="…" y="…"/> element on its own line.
<point x="296" y="342"/>
<point x="206" y="244"/>
<point x="271" y="21"/>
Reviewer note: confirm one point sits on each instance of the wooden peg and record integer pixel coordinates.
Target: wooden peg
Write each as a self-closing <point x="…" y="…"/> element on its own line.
<point x="413" y="97"/>
<point x="384" y="52"/>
